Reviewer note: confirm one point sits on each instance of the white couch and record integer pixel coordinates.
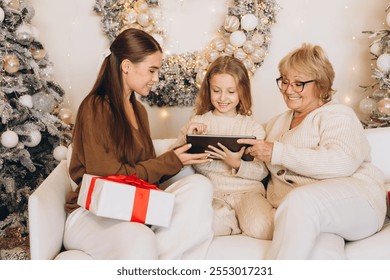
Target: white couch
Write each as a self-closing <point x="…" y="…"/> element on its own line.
<point x="47" y="217"/>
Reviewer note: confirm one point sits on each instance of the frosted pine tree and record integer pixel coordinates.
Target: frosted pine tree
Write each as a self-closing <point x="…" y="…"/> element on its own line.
<point x="34" y="125"/>
<point x="376" y="105"/>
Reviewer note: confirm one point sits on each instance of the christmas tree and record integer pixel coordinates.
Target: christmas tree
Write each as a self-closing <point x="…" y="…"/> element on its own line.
<point x="376" y="105"/>
<point x="35" y="125"/>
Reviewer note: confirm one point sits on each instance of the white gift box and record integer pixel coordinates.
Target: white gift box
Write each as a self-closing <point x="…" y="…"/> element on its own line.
<point x="106" y="198"/>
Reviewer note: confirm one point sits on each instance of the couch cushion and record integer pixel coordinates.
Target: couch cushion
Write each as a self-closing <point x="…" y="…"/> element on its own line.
<point x="379" y="139"/>
<point x="237" y="247"/>
<point x="374" y="247"/>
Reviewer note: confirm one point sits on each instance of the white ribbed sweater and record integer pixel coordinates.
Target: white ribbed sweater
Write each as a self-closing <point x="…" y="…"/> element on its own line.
<point x="329" y="143"/>
<point x="224" y="178"/>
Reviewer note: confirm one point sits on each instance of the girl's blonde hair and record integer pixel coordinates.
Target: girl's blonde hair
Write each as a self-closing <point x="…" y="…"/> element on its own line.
<point x="235" y="68"/>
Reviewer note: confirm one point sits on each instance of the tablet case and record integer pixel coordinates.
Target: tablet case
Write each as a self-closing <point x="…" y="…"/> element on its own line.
<point x="200" y="143"/>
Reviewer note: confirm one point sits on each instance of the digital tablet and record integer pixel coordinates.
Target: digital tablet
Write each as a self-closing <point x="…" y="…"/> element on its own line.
<point x="200" y="143"/>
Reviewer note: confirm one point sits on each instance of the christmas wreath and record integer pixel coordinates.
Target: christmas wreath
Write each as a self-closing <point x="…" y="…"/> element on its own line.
<point x="245" y="34"/>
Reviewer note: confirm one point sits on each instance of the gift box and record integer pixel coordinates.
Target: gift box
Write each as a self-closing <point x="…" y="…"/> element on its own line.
<point x="126" y="198"/>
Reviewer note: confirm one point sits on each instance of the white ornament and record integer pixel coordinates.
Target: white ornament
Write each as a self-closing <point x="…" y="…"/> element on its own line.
<point x="143" y="19"/>
<point x="1" y="15"/>
<point x="374" y="49"/>
<point x="60" y="152"/>
<point x="24" y="34"/>
<point x="237" y="38"/>
<point x="34" y="140"/>
<point x="9" y="139"/>
<point x="131" y="16"/>
<point x="383" y="62"/>
<point x="367" y="105"/>
<point x="26" y="100"/>
<point x="249" y="22"/>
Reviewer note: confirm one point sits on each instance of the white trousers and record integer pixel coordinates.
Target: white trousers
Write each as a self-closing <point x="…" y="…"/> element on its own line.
<point x="310" y="215"/>
<point x="187" y="237"/>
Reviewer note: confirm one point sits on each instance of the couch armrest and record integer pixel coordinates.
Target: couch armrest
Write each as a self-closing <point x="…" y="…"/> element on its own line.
<point x="47" y="215"/>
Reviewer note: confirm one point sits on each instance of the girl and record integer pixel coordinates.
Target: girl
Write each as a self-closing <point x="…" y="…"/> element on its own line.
<point x="223" y="107"/>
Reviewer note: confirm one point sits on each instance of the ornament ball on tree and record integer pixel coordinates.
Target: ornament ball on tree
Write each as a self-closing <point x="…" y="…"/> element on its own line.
<point x="9" y="139"/>
<point x="60" y="152"/>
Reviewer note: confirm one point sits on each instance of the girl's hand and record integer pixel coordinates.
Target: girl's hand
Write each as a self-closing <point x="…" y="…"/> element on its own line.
<point x="261" y="150"/>
<point x="197" y="128"/>
<point x="189" y="159"/>
<point x="233" y="159"/>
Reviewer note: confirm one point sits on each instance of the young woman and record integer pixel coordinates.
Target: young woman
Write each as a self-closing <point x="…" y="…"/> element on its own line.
<point x="223" y="107"/>
<point x="111" y="136"/>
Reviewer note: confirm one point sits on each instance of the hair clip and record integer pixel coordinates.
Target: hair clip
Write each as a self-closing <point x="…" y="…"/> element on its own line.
<point x="107" y="52"/>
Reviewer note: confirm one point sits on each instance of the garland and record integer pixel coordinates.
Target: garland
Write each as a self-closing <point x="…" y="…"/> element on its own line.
<point x="244" y="34"/>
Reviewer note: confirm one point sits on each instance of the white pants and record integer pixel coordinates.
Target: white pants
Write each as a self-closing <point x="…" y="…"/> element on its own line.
<point x="187" y="237"/>
<point x="310" y="215"/>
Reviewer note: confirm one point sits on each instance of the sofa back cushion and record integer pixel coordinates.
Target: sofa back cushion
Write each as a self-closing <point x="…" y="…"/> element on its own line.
<point x="379" y="139"/>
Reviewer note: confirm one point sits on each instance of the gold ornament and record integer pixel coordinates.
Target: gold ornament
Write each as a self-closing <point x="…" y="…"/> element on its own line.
<point x="384" y="106"/>
<point x="11" y="63"/>
<point x="232" y="23"/>
<point x="38" y="54"/>
<point x="249" y="64"/>
<point x="218" y="43"/>
<point x="14" y="4"/>
<point x="212" y="55"/>
<point x="258" y="55"/>
<point x="229" y="50"/>
<point x="248" y="47"/>
<point x="258" y="39"/>
<point x="65" y="114"/>
<point x="240" y="54"/>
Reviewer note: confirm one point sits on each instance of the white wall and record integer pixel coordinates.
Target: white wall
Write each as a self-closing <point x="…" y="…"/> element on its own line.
<point x="71" y="33"/>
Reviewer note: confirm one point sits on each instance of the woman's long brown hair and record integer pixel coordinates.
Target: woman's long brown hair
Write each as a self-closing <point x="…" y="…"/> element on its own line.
<point x="134" y="45"/>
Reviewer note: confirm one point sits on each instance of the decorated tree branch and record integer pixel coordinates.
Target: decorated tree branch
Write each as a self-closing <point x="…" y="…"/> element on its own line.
<point x="376" y="105"/>
<point x="35" y="125"/>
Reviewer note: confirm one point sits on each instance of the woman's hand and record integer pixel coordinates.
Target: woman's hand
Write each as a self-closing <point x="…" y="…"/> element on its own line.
<point x="261" y="150"/>
<point x="233" y="159"/>
<point x="197" y="128"/>
<point x="189" y="159"/>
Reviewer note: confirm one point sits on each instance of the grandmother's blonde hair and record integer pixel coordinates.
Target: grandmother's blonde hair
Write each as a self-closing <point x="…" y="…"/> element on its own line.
<point x="312" y="61"/>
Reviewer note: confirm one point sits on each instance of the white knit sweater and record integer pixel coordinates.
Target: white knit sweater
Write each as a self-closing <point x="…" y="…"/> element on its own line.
<point x="329" y="143"/>
<point x="224" y="178"/>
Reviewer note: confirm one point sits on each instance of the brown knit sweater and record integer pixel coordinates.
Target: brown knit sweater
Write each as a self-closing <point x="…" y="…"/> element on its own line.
<point x="91" y="157"/>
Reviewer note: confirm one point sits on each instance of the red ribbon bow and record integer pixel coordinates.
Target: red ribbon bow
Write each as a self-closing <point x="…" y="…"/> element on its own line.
<point x="142" y="192"/>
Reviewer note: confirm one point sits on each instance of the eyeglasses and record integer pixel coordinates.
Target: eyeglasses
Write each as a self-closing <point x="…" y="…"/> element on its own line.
<point x="297" y="87"/>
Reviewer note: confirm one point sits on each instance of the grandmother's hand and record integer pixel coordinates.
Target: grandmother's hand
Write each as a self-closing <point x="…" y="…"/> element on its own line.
<point x="261" y="150"/>
<point x="189" y="159"/>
